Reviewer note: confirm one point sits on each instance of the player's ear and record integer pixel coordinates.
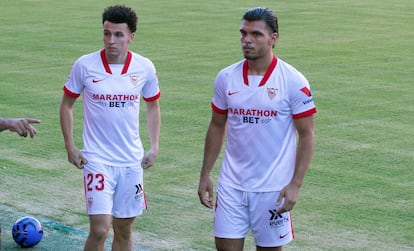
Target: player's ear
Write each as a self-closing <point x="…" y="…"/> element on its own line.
<point x="131" y="36"/>
<point x="274" y="38"/>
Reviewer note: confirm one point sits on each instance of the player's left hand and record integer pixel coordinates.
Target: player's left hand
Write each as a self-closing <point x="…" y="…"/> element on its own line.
<point x="288" y="196"/>
<point x="149" y="159"/>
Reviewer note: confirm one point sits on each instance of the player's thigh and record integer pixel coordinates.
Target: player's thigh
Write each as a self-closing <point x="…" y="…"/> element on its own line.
<point x="269" y="228"/>
<point x="231" y="217"/>
<point x="223" y="244"/>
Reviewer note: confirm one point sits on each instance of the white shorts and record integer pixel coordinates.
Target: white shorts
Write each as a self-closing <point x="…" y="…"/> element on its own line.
<point x="238" y="211"/>
<point x="118" y="191"/>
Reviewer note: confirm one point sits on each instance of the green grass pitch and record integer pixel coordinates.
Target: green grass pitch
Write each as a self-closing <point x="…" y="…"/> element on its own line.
<point x="358" y="56"/>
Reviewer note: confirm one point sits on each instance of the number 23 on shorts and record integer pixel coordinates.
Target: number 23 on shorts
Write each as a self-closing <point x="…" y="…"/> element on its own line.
<point x="94" y="181"/>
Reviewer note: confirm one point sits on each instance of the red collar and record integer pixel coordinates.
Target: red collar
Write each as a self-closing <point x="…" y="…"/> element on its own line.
<point x="106" y="65"/>
<point x="269" y="71"/>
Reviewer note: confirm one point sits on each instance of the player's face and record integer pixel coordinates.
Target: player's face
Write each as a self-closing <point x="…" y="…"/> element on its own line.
<point x="116" y="39"/>
<point x="256" y="41"/>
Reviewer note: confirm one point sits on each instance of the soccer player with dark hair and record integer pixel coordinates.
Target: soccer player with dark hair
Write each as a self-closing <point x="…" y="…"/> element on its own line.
<point x="264" y="108"/>
<point x="112" y="82"/>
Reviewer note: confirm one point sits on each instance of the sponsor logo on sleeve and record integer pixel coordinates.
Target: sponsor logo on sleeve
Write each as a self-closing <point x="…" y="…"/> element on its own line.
<point x="306" y="91"/>
<point x="308" y="94"/>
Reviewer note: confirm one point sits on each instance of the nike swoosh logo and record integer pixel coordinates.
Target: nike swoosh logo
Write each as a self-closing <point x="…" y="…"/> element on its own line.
<point x="283" y="235"/>
<point x="232" y="93"/>
<point x="96" y="80"/>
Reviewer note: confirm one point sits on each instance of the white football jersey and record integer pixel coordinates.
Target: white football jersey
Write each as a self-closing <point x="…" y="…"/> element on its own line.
<point x="111" y="106"/>
<point x="261" y="137"/>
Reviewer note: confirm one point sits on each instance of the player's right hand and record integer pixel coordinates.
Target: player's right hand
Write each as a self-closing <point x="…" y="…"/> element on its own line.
<point x="76" y="157"/>
<point x="205" y="192"/>
<point x="23" y="126"/>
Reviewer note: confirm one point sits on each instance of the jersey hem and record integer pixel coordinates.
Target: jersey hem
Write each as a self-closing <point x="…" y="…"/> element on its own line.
<point x="261" y="190"/>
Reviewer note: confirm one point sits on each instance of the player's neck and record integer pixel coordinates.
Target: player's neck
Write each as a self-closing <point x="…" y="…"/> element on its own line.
<point x="116" y="59"/>
<point x="260" y="66"/>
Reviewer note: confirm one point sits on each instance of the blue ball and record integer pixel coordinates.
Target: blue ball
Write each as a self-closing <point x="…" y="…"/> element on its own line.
<point x="27" y="231"/>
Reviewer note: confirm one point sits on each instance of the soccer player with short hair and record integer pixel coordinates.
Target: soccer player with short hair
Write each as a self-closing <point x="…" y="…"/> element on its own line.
<point x="113" y="81"/>
<point x="264" y="107"/>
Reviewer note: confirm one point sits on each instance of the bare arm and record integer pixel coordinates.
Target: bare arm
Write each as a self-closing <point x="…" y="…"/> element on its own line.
<point x="153" y="125"/>
<point x="306" y="142"/>
<point x="66" y="122"/>
<point x="213" y="143"/>
<point x="22" y="126"/>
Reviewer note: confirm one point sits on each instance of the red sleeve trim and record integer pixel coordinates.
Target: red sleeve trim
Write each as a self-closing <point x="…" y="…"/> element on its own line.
<point x="218" y="110"/>
<point x="69" y="93"/>
<point x="151" y="99"/>
<point x="304" y="114"/>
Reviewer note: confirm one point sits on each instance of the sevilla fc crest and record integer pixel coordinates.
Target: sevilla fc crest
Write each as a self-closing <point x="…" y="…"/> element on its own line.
<point x="134" y="79"/>
<point x="272" y="92"/>
<point x="90" y="202"/>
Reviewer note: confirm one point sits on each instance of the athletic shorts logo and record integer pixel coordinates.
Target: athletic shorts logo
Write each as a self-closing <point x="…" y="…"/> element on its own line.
<point x="283" y="235"/>
<point x="90" y="202"/>
<point x="139" y="192"/>
<point x="274" y="215"/>
<point x="277" y="220"/>
<point x="139" y="188"/>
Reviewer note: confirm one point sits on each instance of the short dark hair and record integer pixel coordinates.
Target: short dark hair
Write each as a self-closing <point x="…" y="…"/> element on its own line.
<point x="262" y="14"/>
<point x="121" y="14"/>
